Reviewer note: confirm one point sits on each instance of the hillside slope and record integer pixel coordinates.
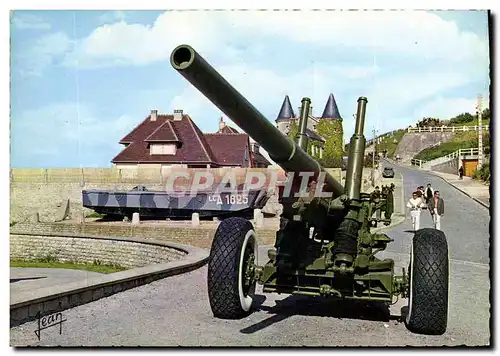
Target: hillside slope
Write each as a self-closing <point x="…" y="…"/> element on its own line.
<point x="413" y="143"/>
<point x="459" y="140"/>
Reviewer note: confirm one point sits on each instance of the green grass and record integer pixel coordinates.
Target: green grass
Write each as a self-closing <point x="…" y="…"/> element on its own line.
<point x="483" y="173"/>
<point x="388" y="143"/>
<point x="474" y="123"/>
<point x="460" y="140"/>
<point x="91" y="267"/>
<point x="95" y="215"/>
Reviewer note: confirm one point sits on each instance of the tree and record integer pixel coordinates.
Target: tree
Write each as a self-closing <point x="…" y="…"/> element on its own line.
<point x="294" y="135"/>
<point x="462" y="119"/>
<point x="429" y="122"/>
<point x="333" y="133"/>
<point x="486" y="114"/>
<point x="294" y="130"/>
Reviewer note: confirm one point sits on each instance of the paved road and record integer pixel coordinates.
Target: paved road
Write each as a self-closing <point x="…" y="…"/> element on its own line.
<point x="465" y="223"/>
<point x="175" y="311"/>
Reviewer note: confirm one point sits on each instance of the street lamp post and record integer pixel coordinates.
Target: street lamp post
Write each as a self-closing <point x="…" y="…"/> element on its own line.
<point x="373" y="155"/>
<point x="480" y="128"/>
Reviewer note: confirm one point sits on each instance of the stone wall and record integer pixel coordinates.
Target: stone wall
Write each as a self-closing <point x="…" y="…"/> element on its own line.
<point x="44" y="198"/>
<point x="200" y="236"/>
<point x="450" y="166"/>
<point x="413" y="143"/>
<point x="29" y="197"/>
<point x="90" y="250"/>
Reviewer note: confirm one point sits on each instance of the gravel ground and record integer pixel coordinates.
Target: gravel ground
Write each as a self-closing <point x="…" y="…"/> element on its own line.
<point x="175" y="311"/>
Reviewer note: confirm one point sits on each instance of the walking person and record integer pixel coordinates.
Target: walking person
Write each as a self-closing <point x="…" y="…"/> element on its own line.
<point x="461" y="172"/>
<point x="429" y="193"/>
<point x="436" y="207"/>
<point x="415" y="205"/>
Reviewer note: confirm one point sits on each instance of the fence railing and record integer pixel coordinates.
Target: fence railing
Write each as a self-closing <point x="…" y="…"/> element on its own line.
<point x="446" y="128"/>
<point x="417" y="162"/>
<point x="458" y="153"/>
<point x="371" y="141"/>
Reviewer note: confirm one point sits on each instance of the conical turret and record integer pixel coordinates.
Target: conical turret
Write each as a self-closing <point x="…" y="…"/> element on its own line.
<point x="331" y="110"/>
<point x="286" y="111"/>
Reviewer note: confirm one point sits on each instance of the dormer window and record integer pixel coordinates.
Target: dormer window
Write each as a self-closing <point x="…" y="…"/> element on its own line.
<point x="163" y="149"/>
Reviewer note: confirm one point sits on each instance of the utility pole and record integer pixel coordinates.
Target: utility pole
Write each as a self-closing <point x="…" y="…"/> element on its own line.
<point x="480" y="128"/>
<point x="373" y="156"/>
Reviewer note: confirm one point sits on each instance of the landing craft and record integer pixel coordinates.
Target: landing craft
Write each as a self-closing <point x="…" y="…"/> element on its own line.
<point x="163" y="204"/>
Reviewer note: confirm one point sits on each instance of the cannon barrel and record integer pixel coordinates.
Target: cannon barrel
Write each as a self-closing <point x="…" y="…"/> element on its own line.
<point x="281" y="149"/>
<point x="354" y="174"/>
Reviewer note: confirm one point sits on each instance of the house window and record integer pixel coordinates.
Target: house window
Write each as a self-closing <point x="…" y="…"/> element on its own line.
<point x="163" y="149"/>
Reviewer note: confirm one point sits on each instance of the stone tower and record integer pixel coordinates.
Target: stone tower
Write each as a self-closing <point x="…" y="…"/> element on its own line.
<point x="331" y="109"/>
<point x="331" y="118"/>
<point x="285" y="116"/>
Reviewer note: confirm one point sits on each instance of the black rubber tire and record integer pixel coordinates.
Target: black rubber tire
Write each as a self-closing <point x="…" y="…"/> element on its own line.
<point x="224" y="291"/>
<point x="429" y="283"/>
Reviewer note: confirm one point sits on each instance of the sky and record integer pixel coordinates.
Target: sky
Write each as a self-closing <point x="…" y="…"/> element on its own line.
<point x="81" y="80"/>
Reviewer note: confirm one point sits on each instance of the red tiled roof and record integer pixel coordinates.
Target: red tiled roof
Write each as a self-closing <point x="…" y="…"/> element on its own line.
<point x="164" y="133"/>
<point x="194" y="147"/>
<point x="260" y="159"/>
<point x="230" y="148"/>
<point x="145" y="128"/>
<point x="227" y="130"/>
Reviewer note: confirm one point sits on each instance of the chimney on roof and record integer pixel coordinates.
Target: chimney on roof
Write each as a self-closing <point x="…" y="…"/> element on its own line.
<point x="177" y="115"/>
<point x="222" y="124"/>
<point x="154" y="115"/>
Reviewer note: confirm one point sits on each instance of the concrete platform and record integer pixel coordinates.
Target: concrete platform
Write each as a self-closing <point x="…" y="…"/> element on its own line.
<point x="23" y="279"/>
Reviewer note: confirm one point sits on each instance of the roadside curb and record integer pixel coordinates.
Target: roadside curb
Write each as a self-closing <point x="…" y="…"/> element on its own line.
<point x="29" y="306"/>
<point x="437" y="175"/>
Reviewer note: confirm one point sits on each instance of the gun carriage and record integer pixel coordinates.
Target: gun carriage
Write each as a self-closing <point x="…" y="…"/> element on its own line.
<point x="324" y="246"/>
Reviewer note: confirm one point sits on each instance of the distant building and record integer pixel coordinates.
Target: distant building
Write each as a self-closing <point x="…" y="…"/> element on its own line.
<point x="286" y="116"/>
<point x="174" y="140"/>
<point x="258" y="160"/>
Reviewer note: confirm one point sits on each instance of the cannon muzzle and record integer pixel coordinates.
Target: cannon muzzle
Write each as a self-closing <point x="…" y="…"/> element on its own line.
<point x="281" y="148"/>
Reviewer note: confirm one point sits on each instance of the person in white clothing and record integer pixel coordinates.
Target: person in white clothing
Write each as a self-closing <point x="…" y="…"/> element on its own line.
<point x="436" y="207"/>
<point x="415" y="204"/>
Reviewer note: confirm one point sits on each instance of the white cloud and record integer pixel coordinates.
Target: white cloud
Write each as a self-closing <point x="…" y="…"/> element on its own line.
<point x="136" y="44"/>
<point x="395" y="93"/>
<point x="447" y="57"/>
<point x="44" y="53"/>
<point x="413" y="33"/>
<point x="388" y="97"/>
<point x="112" y="16"/>
<point x="447" y="108"/>
<point x="23" y="21"/>
<point x="266" y="89"/>
<point x="33" y="132"/>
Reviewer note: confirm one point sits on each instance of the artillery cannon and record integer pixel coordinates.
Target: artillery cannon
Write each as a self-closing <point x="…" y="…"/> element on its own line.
<point x="324" y="246"/>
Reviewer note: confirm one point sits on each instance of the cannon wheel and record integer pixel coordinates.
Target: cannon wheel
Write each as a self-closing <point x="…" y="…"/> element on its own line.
<point x="428" y="283"/>
<point x="231" y="286"/>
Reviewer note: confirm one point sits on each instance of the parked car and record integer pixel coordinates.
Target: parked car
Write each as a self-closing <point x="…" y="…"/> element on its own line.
<point x="388" y="172"/>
